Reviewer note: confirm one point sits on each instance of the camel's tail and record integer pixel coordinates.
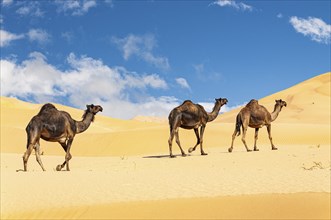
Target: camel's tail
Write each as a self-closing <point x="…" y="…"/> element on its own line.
<point x="238" y="125"/>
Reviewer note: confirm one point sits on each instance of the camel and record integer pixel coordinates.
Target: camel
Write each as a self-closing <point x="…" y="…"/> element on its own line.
<point x="191" y="116"/>
<point x="256" y="116"/>
<point x="53" y="125"/>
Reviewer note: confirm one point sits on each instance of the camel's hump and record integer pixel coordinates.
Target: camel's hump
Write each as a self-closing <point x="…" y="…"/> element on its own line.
<point x="47" y="107"/>
<point x="252" y="102"/>
<point x="187" y="101"/>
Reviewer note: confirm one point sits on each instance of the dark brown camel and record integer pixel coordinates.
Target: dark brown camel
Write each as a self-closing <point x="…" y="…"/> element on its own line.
<point x="256" y="116"/>
<point x="53" y="125"/>
<point x="191" y="116"/>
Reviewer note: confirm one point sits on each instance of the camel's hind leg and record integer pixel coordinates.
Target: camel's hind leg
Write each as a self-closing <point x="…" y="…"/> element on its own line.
<point x="172" y="134"/>
<point x="236" y="131"/>
<point x="174" y="127"/>
<point x="32" y="143"/>
<point x="178" y="143"/>
<point x="37" y="150"/>
<point x="27" y="155"/>
<point x="233" y="137"/>
<point x="243" y="139"/>
<point x="191" y="149"/>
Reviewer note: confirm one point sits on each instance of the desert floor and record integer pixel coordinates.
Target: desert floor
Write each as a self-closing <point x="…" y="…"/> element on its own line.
<point x="121" y="169"/>
<point x="291" y="182"/>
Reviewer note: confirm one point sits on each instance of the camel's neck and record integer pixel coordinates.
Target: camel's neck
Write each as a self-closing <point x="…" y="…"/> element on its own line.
<point x="83" y="125"/>
<point x="213" y="115"/>
<point x="276" y="111"/>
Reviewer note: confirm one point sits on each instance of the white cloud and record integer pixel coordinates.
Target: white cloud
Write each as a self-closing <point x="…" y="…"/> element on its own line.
<point x="225" y="108"/>
<point x="87" y="81"/>
<point x="183" y="83"/>
<point x="231" y="3"/>
<point x="75" y="7"/>
<point x="6" y="37"/>
<point x="315" y="28"/>
<point x="141" y="47"/>
<point x="30" y="8"/>
<point x="32" y="77"/>
<point x="38" y="35"/>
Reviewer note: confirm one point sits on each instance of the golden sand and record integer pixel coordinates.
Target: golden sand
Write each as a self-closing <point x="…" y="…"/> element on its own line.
<point x="121" y="168"/>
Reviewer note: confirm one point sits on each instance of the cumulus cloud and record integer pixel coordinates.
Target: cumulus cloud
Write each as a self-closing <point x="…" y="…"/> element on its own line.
<point x="141" y="47"/>
<point x="86" y="81"/>
<point x="7" y="37"/>
<point x="233" y="4"/>
<point x="314" y="28"/>
<point x="183" y="83"/>
<point x="75" y="7"/>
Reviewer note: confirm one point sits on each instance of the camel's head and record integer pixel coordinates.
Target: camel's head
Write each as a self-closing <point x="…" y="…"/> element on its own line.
<point x="222" y="101"/>
<point x="93" y="108"/>
<point x="281" y="103"/>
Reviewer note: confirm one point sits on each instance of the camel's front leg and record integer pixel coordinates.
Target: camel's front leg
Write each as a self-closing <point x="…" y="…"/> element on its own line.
<point x="202" y="130"/>
<point x="270" y="138"/>
<point x="66" y="147"/>
<point x="191" y="149"/>
<point x="68" y="155"/>
<point x="255" y="139"/>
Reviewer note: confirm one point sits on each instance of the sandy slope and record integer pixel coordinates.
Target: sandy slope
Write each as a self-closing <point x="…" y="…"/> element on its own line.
<point x="120" y="165"/>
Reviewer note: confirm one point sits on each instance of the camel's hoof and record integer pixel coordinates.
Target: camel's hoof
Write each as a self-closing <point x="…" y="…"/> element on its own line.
<point x="58" y="167"/>
<point x="274" y="148"/>
<point x="256" y="149"/>
<point x="190" y="150"/>
<point x="249" y="150"/>
<point x="172" y="156"/>
<point x="230" y="150"/>
<point x="204" y="154"/>
<point x="184" y="155"/>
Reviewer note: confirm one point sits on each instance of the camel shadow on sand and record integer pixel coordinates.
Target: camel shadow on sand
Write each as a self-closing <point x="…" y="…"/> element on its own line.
<point x="163" y="156"/>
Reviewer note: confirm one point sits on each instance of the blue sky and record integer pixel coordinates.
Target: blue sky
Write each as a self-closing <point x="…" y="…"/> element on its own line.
<point x="146" y="57"/>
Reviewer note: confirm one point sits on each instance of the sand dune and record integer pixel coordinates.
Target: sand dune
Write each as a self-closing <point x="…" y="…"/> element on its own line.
<point x="121" y="165"/>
